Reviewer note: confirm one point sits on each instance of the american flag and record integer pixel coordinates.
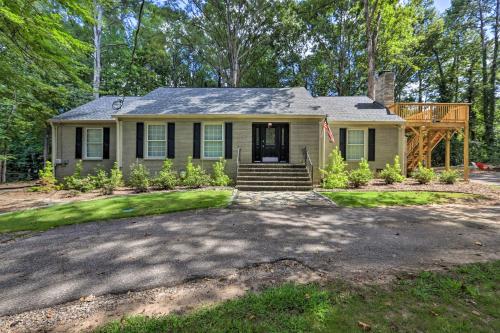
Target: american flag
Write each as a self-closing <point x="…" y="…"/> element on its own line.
<point x="328" y="131"/>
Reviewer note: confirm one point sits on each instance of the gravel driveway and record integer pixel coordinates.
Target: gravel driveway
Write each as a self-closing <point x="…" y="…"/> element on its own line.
<point x="131" y="254"/>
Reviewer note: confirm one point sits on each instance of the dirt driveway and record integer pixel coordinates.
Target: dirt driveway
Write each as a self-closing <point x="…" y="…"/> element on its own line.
<point x="141" y="253"/>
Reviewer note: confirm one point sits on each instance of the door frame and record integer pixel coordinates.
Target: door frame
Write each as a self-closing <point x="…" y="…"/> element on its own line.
<point x="283" y="149"/>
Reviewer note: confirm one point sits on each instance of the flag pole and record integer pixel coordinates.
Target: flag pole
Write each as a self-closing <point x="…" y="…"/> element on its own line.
<point x="324" y="142"/>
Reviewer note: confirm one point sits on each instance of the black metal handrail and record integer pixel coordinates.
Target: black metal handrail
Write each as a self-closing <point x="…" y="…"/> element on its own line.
<point x="238" y="154"/>
<point x="308" y="163"/>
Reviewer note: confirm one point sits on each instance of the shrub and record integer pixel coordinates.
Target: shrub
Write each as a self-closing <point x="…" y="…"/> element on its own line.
<point x="114" y="180"/>
<point x="100" y="179"/>
<point x="220" y="178"/>
<point x="423" y="175"/>
<point x="362" y="175"/>
<point x="449" y="177"/>
<point x="139" y="177"/>
<point x="76" y="182"/>
<point x="195" y="176"/>
<point x="47" y="179"/>
<point x="392" y="173"/>
<point x="335" y="174"/>
<point x="167" y="178"/>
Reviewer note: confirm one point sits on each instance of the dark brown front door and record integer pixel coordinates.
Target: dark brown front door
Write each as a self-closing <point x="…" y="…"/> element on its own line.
<point x="270" y="142"/>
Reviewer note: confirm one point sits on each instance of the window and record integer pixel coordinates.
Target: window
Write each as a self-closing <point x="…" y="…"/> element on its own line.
<point x="355" y="145"/>
<point x="213" y="140"/>
<point x="156" y="143"/>
<point x="93" y="143"/>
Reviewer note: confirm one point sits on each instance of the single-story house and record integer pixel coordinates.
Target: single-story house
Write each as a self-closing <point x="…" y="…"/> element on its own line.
<point x="252" y="128"/>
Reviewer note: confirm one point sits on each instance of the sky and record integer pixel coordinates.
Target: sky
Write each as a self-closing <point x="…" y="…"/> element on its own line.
<point x="442" y="5"/>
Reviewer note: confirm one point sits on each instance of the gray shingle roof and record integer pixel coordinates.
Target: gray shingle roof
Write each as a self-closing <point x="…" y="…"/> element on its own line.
<point x="355" y="108"/>
<point x="98" y="109"/>
<point x="222" y="101"/>
<point x="234" y="101"/>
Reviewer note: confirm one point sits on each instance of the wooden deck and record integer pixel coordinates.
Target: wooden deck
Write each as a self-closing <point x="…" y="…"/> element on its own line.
<point x="427" y="124"/>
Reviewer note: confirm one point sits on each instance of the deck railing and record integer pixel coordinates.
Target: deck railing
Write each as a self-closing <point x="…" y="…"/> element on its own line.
<point x="432" y="112"/>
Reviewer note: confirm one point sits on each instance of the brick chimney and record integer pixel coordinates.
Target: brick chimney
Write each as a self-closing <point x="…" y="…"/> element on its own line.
<point x="384" y="88"/>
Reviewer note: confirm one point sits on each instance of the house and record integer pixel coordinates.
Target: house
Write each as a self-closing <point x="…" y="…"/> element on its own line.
<point x="272" y="138"/>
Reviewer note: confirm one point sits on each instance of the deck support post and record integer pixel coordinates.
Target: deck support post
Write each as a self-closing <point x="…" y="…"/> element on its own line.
<point x="466" y="148"/>
<point x="429" y="149"/>
<point x="447" y="151"/>
<point x="421" y="143"/>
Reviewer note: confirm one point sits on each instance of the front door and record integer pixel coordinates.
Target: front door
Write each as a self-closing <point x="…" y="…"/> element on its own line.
<point x="270" y="142"/>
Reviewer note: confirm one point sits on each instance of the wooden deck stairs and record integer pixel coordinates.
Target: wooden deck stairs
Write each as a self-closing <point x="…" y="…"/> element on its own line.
<point x="427" y="124"/>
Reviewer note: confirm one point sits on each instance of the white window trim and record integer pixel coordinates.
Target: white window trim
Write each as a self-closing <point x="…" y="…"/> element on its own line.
<point x="203" y="140"/>
<point x="365" y="143"/>
<point x="146" y="151"/>
<point x="85" y="157"/>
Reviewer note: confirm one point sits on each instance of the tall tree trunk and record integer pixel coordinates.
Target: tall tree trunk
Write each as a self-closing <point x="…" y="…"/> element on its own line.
<point x="372" y="26"/>
<point x="96" y="84"/>
<point x="493" y="77"/>
<point x="420" y="88"/>
<point x="488" y="123"/>
<point x="470" y="98"/>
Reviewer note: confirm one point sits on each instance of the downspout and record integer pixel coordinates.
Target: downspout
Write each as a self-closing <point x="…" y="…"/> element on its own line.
<point x="54" y="147"/>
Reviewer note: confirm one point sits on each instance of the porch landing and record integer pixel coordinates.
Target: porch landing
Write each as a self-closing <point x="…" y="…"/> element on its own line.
<point x="273" y="177"/>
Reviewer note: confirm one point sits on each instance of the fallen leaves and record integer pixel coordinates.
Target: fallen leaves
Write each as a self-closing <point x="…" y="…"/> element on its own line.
<point x="364" y="326"/>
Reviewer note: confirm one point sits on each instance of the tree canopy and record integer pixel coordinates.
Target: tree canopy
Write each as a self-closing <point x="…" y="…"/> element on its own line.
<point x="57" y="54"/>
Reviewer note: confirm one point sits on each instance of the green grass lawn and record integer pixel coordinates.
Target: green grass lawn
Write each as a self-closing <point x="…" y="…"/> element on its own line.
<point x="111" y="208"/>
<point x="376" y="199"/>
<point x="466" y="299"/>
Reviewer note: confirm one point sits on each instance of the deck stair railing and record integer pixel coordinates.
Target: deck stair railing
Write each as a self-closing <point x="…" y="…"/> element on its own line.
<point x="308" y="163"/>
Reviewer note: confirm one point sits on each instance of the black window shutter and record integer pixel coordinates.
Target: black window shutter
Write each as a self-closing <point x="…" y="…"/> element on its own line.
<point x="371" y="144"/>
<point x="196" y="140"/>
<point x="78" y="144"/>
<point x="228" y="136"/>
<point x="171" y="140"/>
<point x="343" y="141"/>
<point x="139" y="140"/>
<point x="105" y="143"/>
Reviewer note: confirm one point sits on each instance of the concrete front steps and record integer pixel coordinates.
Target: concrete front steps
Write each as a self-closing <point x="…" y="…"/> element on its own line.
<point x="273" y="177"/>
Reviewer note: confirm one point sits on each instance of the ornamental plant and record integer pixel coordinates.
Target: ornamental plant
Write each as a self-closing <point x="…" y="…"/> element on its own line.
<point x="46" y="177"/>
<point x="335" y="174"/>
<point x="449" y="176"/>
<point x="423" y="174"/>
<point x="195" y="176"/>
<point x="362" y="175"/>
<point x="114" y="180"/>
<point x="139" y="177"/>
<point x="77" y="182"/>
<point x="220" y="178"/>
<point x="392" y="173"/>
<point x="167" y="178"/>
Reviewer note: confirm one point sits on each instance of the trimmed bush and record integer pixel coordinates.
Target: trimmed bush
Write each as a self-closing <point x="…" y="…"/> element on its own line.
<point x="167" y="178"/>
<point x="100" y="179"/>
<point x="449" y="176"/>
<point x="139" y="177"/>
<point x="423" y="175"/>
<point x="362" y="175"/>
<point x="195" y="176"/>
<point x="219" y="175"/>
<point x="392" y="173"/>
<point x="335" y="174"/>
<point x="47" y="179"/>
<point x="114" y="180"/>
<point x="76" y="182"/>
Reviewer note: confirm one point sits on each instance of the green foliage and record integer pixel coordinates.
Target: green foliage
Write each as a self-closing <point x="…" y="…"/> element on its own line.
<point x="399" y="198"/>
<point x="139" y="177"/>
<point x="167" y="178"/>
<point x="219" y="177"/>
<point x="111" y="208"/>
<point x="449" y="176"/>
<point x="335" y="174"/>
<point x="362" y="175"/>
<point x="423" y="175"/>
<point x="46" y="176"/>
<point x="114" y="180"/>
<point x="392" y="173"/>
<point x="77" y="182"/>
<point x="428" y="302"/>
<point x="195" y="176"/>
<point x="99" y="179"/>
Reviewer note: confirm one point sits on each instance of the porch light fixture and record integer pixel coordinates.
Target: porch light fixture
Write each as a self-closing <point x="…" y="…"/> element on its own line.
<point x="269" y="125"/>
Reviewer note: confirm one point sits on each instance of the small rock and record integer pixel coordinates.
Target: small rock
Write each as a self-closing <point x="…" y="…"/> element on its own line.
<point x="478" y="243"/>
<point x="364" y="326"/>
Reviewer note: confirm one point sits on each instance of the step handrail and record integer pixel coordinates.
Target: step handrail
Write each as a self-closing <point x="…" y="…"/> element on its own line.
<point x="308" y="163"/>
<point x="238" y="153"/>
